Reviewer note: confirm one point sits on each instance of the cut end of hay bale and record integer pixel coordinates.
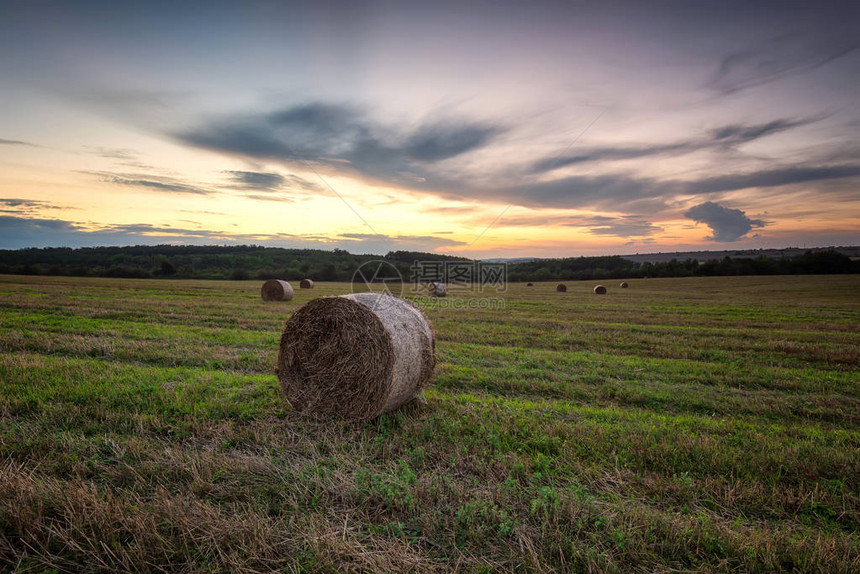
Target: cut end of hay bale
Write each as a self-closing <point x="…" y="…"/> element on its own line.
<point x="624" y="285"/>
<point x="276" y="290"/>
<point x="561" y="288"/>
<point x="437" y="289"/>
<point x="599" y="290"/>
<point x="306" y="284"/>
<point x="355" y="356"/>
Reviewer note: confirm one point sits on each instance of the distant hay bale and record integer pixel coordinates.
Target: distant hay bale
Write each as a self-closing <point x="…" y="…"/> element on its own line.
<point x="306" y="284"/>
<point x="437" y="289"/>
<point x="530" y="284"/>
<point x="561" y="288"/>
<point x="599" y="290"/>
<point x="624" y="285"/>
<point x="355" y="356"/>
<point x="276" y="290"/>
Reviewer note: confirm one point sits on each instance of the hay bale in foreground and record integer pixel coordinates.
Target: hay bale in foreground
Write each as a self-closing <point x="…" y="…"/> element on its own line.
<point x="437" y="289"/>
<point x="624" y="285"/>
<point x="561" y="288"/>
<point x="355" y="356"/>
<point x="599" y="290"/>
<point x="276" y="290"/>
<point x="306" y="284"/>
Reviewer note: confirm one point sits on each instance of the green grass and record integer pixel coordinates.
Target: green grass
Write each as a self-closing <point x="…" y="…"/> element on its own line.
<point x="706" y="424"/>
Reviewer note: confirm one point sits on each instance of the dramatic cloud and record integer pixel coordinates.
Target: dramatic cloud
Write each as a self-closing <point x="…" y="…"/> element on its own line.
<point x="270" y="182"/>
<point x="257" y="180"/>
<point x="25" y="206"/>
<point x="733" y="103"/>
<point x="438" y="142"/>
<point x="341" y="137"/>
<point x="623" y="226"/>
<point x="613" y="192"/>
<point x="21" y="232"/>
<point x="615" y="153"/>
<point x="162" y="184"/>
<point x="782" y="56"/>
<point x="739" y="133"/>
<point x="727" y="136"/>
<point x="727" y="224"/>
<point x="770" y="178"/>
<point x="642" y="194"/>
<point x="626" y="226"/>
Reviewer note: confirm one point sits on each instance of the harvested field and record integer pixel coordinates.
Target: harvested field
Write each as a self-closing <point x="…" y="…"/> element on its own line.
<point x="681" y="425"/>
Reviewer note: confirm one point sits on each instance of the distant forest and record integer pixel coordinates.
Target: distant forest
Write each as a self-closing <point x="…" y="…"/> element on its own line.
<point x="256" y="262"/>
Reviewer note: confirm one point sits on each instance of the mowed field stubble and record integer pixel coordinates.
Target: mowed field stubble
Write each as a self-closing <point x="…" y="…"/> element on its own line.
<point x="705" y="424"/>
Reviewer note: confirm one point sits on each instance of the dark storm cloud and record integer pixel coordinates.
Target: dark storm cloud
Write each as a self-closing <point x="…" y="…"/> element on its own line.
<point x="718" y="138"/>
<point x="726" y="223"/>
<point x="341" y="136"/>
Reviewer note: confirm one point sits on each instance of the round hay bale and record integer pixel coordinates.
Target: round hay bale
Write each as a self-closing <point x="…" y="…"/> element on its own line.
<point x="624" y="285"/>
<point x="561" y="288"/>
<point x="306" y="284"/>
<point x="355" y="356"/>
<point x="437" y="289"/>
<point x="530" y="284"/>
<point x="599" y="290"/>
<point x="276" y="290"/>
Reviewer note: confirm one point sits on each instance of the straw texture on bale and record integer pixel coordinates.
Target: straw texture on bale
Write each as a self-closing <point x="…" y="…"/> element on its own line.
<point x="437" y="289"/>
<point x="624" y="285"/>
<point x="561" y="288"/>
<point x="306" y="284"/>
<point x="599" y="290"/>
<point x="355" y="356"/>
<point x="276" y="290"/>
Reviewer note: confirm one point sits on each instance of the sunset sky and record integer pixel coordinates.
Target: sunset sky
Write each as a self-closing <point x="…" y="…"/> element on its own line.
<point x="487" y="129"/>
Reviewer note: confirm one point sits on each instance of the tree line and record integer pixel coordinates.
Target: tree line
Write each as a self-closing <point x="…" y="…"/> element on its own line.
<point x="260" y="263"/>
